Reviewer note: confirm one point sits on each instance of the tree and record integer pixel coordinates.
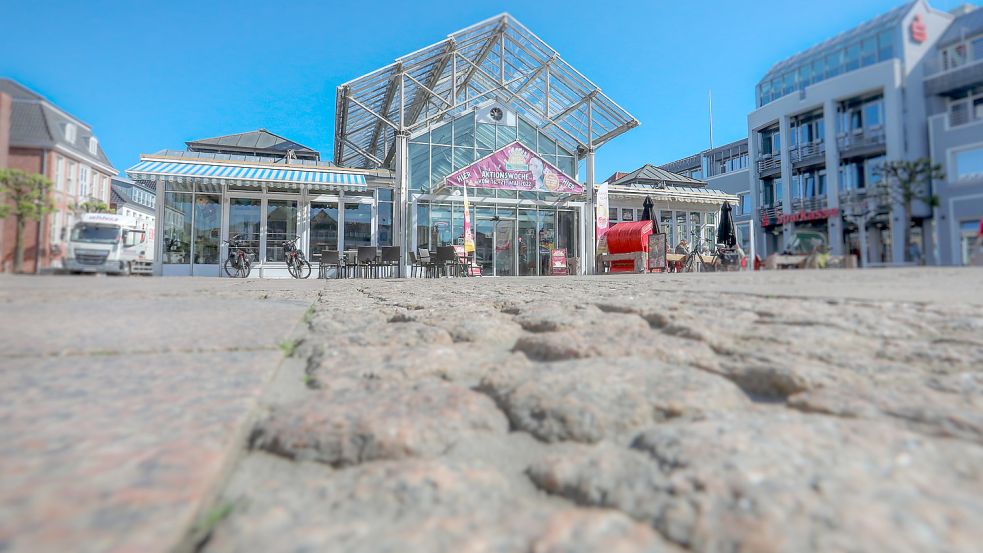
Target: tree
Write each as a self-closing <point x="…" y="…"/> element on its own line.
<point x="904" y="182"/>
<point x="92" y="207"/>
<point x="25" y="197"/>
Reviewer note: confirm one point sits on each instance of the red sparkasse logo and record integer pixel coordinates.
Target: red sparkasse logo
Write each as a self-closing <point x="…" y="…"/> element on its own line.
<point x="918" y="31"/>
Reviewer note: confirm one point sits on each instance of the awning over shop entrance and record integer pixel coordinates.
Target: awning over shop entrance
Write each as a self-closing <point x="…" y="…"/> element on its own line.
<point x="243" y="175"/>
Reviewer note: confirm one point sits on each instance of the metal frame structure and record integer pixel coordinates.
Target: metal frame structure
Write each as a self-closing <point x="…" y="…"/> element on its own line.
<point x="497" y="59"/>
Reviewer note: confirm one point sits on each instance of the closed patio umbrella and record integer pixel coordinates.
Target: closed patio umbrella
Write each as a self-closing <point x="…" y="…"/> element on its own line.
<point x="726" y="234"/>
<point x="648" y="214"/>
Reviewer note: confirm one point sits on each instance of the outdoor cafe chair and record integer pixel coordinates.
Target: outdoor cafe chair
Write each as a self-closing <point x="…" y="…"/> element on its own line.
<point x="426" y="262"/>
<point x="351" y="264"/>
<point x="368" y="260"/>
<point x="389" y="260"/>
<point x="330" y="258"/>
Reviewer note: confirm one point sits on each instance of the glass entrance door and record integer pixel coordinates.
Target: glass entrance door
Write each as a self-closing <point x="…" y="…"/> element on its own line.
<point x="495" y="247"/>
<point x="244" y="220"/>
<point x="324" y="228"/>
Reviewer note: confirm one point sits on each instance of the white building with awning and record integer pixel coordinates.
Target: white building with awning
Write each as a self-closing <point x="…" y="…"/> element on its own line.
<point x="265" y="189"/>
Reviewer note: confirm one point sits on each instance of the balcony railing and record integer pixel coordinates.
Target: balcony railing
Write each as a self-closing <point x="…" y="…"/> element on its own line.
<point x="807" y="151"/>
<point x="812" y="203"/>
<point x="861" y="139"/>
<point x="769" y="163"/>
<point x="770" y="213"/>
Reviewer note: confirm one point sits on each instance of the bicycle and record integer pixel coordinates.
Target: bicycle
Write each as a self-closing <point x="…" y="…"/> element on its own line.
<point x="297" y="264"/>
<point x="237" y="265"/>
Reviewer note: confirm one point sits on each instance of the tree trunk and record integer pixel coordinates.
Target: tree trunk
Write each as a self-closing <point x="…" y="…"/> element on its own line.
<point x="19" y="245"/>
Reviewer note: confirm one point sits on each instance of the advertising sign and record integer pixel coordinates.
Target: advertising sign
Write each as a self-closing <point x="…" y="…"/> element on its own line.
<point x="657" y="252"/>
<point x="601" y="210"/>
<point x="558" y="261"/>
<point x="515" y="167"/>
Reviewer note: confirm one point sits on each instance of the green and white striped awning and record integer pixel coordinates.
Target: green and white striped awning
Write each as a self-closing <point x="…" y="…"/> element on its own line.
<point x="244" y="175"/>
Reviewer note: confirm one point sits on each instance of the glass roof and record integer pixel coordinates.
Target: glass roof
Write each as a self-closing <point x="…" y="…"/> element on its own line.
<point x="497" y="59"/>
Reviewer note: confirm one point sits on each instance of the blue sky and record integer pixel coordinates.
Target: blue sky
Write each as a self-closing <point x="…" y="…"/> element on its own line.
<point x="152" y="75"/>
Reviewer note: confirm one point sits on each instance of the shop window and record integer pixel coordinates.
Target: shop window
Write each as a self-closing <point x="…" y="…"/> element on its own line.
<point x="440" y="226"/>
<point x="385" y="223"/>
<point x="423" y="226"/>
<point x="627" y="214"/>
<point x="177" y="228"/>
<point x="281" y="226"/>
<point x="244" y="220"/>
<point x="612" y="214"/>
<point x="208" y="228"/>
<point x="969" y="164"/>
<point x="358" y="224"/>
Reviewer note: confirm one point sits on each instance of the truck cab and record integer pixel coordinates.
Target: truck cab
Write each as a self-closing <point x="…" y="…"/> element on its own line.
<point x="107" y="243"/>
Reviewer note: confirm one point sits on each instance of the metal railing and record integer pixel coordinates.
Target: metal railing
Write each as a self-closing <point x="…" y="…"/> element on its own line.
<point x="770" y="212"/>
<point x="773" y="161"/>
<point x="806" y="151"/>
<point x="866" y="137"/>
<point x="812" y="203"/>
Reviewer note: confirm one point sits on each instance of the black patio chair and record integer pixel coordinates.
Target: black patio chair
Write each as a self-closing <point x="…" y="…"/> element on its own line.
<point x="426" y="262"/>
<point x="368" y="260"/>
<point x="389" y="260"/>
<point x="330" y="258"/>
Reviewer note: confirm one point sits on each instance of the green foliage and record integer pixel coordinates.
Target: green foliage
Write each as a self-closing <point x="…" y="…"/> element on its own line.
<point x="906" y="181"/>
<point x="24" y="195"/>
<point x="93" y="207"/>
<point x="288" y="347"/>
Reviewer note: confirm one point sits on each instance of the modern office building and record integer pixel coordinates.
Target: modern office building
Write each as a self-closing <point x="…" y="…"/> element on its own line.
<point x="724" y="169"/>
<point x="954" y="94"/>
<point x="686" y="208"/>
<point x="37" y="136"/>
<point x="827" y="119"/>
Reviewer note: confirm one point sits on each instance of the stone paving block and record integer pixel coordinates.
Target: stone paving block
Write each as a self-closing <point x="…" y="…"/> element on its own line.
<point x="117" y="453"/>
<point x="369" y="422"/>
<point x="589" y="400"/>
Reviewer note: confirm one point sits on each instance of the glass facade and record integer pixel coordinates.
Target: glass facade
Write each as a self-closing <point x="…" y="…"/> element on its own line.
<point x="846" y="56"/>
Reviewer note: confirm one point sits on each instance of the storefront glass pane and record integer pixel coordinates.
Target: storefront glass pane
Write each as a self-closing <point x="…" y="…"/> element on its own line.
<point x="566" y="232"/>
<point x="457" y="223"/>
<point x="462" y="157"/>
<point x="385" y="223"/>
<point x="546" y="145"/>
<point x="527" y="247"/>
<point x="177" y="228"/>
<point x="440" y="226"/>
<point x="208" y="228"/>
<point x="419" y="166"/>
<point x="281" y="226"/>
<point x="244" y="218"/>
<point x="547" y="237"/>
<point x="324" y="227"/>
<point x="680" y="228"/>
<point x="566" y="165"/>
<point x="358" y="224"/>
<point x="423" y="226"/>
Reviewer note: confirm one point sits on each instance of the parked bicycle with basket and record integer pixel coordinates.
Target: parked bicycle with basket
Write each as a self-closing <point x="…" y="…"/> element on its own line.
<point x="297" y="264"/>
<point x="237" y="265"/>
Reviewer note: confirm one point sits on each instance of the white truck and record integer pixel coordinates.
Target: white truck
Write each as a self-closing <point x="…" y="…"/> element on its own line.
<point x="109" y="243"/>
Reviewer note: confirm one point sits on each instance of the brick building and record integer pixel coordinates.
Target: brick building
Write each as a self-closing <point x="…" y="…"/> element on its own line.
<point x="38" y="137"/>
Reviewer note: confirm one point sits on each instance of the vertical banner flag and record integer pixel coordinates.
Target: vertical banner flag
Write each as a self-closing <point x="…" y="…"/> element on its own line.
<point x="601" y="210"/>
<point x="468" y="237"/>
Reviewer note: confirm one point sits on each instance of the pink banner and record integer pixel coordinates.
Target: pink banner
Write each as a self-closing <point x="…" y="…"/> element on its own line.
<point x="515" y="167"/>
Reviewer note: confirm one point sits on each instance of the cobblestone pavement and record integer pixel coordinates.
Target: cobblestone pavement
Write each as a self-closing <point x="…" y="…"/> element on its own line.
<point x="767" y="412"/>
<point x="791" y="411"/>
<point x="124" y="400"/>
